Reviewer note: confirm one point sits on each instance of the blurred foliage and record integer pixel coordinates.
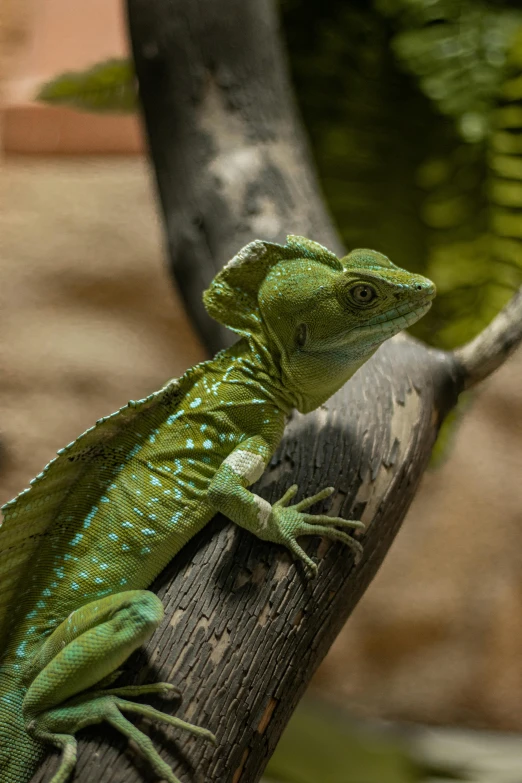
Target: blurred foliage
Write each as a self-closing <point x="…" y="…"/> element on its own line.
<point x="106" y="87"/>
<point x="320" y="745"/>
<point x="448" y="430"/>
<point x="414" y="111"/>
<point x="457" y="51"/>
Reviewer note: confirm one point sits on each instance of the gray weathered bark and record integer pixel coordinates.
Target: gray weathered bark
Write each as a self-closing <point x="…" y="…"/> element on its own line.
<point x="244" y="630"/>
<point x="229" y="154"/>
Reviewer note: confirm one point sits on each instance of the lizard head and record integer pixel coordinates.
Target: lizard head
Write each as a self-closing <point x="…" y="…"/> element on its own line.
<point x="322" y="317"/>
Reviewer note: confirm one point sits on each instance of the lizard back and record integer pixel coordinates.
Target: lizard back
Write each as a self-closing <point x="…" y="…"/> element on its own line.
<point x="34" y="513"/>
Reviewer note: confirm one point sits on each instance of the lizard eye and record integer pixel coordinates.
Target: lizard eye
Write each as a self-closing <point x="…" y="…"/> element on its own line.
<point x="301" y="335"/>
<point x="363" y="294"/>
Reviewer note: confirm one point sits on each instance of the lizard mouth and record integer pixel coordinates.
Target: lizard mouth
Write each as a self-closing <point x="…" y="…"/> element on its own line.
<point x="405" y="316"/>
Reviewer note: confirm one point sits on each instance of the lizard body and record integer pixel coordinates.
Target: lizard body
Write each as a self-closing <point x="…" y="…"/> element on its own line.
<point x="78" y="549"/>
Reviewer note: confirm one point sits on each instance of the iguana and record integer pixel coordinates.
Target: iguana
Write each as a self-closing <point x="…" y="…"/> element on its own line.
<point x="79" y="547"/>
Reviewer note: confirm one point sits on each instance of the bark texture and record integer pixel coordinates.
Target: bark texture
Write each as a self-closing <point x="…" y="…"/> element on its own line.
<point x="244" y="630"/>
<point x="230" y="158"/>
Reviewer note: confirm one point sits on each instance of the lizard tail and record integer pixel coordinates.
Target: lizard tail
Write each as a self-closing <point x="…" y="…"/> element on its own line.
<point x="20" y="754"/>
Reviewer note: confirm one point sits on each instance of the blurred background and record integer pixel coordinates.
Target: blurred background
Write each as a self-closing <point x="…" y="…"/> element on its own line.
<point x="414" y="113"/>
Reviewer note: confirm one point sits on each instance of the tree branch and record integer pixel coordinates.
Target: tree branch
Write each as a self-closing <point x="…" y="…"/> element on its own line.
<point x="244" y="630"/>
<point x="230" y="158"/>
<point x="483" y="355"/>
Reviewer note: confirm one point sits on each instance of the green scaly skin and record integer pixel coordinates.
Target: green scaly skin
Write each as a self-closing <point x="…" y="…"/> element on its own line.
<point x="78" y="549"/>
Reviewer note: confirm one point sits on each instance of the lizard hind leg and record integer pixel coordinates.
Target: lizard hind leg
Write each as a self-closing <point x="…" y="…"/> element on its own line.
<point x="83" y="652"/>
<point x="59" y="725"/>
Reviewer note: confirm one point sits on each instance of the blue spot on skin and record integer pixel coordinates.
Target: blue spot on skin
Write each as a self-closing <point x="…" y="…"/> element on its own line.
<point x="105" y="499"/>
<point x="123" y="581"/>
<point x="138" y="511"/>
<point x="145" y="550"/>
<point x="203" y="428"/>
<point x="41" y="605"/>
<point x="196" y="403"/>
<point x="99" y="580"/>
<point x="152" y="439"/>
<point x="190" y="443"/>
<point x="112" y="536"/>
<point x="31" y="614"/>
<point x="74" y="585"/>
<point x="147" y="531"/>
<point x="104" y="566"/>
<point x="67" y="557"/>
<point x="46" y="592"/>
<point x="127" y="524"/>
<point x="90" y="516"/>
<point x="156" y="481"/>
<point x="174" y="416"/>
<point x="207" y="444"/>
<point x="20" y="650"/>
<point x="77" y="538"/>
<point x="59" y="572"/>
<point x="125" y="548"/>
<point x="83" y="574"/>
<point x="175" y="517"/>
<point x="152" y="516"/>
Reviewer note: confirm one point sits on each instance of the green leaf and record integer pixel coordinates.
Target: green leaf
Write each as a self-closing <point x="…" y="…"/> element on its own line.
<point x="448" y="431"/>
<point x="108" y="87"/>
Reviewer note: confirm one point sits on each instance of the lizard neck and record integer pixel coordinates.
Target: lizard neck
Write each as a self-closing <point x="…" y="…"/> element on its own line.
<point x="259" y="371"/>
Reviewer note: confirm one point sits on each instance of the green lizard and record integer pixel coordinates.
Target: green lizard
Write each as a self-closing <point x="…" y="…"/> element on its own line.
<point x="79" y="547"/>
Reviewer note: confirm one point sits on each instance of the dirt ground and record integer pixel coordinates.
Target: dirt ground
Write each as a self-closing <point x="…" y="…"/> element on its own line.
<point x="89" y="318"/>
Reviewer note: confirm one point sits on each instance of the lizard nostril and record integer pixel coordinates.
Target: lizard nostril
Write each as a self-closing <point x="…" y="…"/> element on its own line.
<point x="419" y="287"/>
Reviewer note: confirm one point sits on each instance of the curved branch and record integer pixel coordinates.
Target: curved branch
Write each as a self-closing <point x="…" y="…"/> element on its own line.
<point x="490" y="349"/>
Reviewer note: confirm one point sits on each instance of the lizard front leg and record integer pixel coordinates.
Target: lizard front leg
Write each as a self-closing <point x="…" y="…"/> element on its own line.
<point x="280" y="523"/>
<point x="85" y="650"/>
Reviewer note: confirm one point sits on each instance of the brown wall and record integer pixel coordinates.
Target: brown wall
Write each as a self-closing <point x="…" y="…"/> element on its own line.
<point x="41" y="40"/>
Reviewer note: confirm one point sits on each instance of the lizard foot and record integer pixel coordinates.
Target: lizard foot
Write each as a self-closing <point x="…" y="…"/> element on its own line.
<point x="289" y="522"/>
<point x="59" y="724"/>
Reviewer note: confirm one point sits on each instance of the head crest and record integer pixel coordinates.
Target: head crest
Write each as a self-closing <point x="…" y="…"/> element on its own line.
<point x="232" y="297"/>
<point x="366" y="259"/>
